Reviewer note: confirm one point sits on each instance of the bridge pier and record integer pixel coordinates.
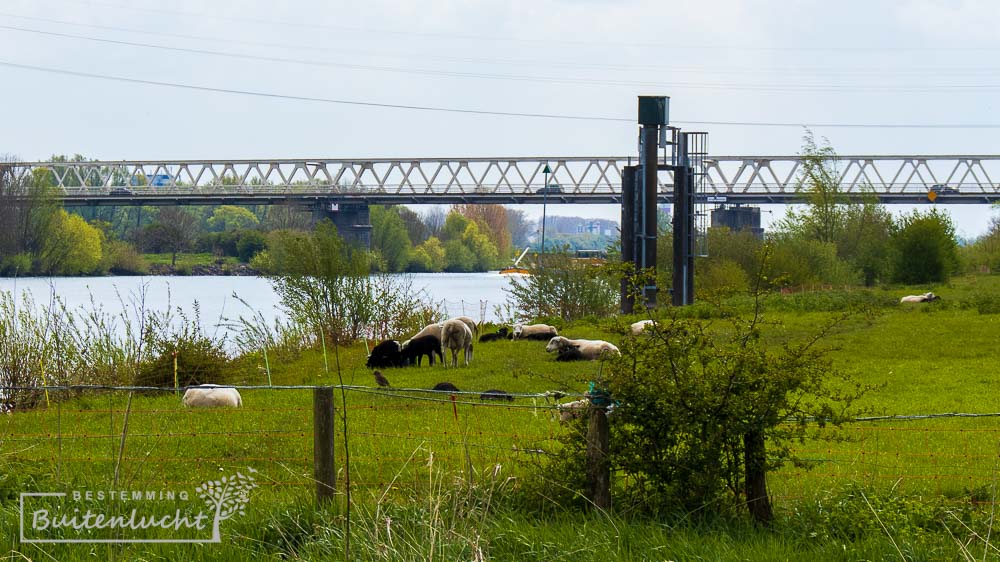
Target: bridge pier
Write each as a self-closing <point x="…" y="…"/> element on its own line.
<point x="353" y="221"/>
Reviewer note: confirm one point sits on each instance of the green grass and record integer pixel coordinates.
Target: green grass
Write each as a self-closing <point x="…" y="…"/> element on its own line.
<point x="186" y="260"/>
<point x="415" y="496"/>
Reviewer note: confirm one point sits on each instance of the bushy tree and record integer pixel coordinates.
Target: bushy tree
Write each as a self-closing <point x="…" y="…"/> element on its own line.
<point x="324" y="282"/>
<point x="389" y="238"/>
<point x="173" y="231"/>
<point x="72" y="247"/>
<point x="926" y="250"/>
<point x="231" y="217"/>
<point x="429" y="256"/>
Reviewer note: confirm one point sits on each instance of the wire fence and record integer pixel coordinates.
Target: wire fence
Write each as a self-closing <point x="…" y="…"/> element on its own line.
<point x="396" y="438"/>
<point x="401" y="441"/>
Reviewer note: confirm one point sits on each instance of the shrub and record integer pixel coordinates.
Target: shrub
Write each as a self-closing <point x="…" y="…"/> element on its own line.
<point x="121" y="258"/>
<point x="703" y="416"/>
<point x="251" y="243"/>
<point x="926" y="249"/>
<point x="16" y="265"/>
<point x="563" y="288"/>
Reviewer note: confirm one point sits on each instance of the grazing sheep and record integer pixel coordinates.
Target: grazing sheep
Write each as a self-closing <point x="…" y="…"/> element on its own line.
<point x="413" y="350"/>
<point x="435" y="329"/>
<point x="590" y="349"/>
<point x="501" y="334"/>
<point x="926" y="297"/>
<point x="473" y="327"/>
<point x="456" y="335"/>
<point x="641" y="326"/>
<point x="385" y="354"/>
<point x="212" y="396"/>
<point x="498" y="395"/>
<point x="380" y="379"/>
<point x="534" y="332"/>
<point x="445" y="387"/>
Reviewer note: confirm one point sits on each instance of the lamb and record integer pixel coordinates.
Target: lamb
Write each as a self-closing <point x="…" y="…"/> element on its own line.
<point x="926" y="297"/>
<point x="500" y="334"/>
<point x="413" y="350"/>
<point x="385" y="354"/>
<point x="641" y="326"/>
<point x="456" y="335"/>
<point x="590" y="349"/>
<point x="534" y="331"/>
<point x="212" y="396"/>
<point x="445" y="387"/>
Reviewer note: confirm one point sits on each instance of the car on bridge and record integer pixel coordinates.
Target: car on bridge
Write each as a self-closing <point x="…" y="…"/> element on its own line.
<point x="553" y="188"/>
<point x="120" y="191"/>
<point x="944" y="189"/>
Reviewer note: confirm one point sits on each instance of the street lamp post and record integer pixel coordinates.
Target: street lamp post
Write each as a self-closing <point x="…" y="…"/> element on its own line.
<point x="545" y="201"/>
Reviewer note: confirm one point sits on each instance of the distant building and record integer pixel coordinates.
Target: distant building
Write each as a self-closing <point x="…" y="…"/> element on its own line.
<point x="738" y="218"/>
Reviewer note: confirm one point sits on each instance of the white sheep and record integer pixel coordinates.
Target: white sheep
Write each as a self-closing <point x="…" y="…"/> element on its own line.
<point x="534" y="331"/>
<point x="435" y="329"/>
<point x="456" y="335"/>
<point x="641" y="326"/>
<point x="577" y="408"/>
<point x="926" y="297"/>
<point x="589" y="349"/>
<point x="212" y="396"/>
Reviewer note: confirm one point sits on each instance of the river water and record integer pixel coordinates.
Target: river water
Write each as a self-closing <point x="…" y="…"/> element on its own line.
<point x="468" y="294"/>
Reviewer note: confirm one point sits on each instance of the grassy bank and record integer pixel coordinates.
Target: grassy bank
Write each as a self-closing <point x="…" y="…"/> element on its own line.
<point x="437" y="478"/>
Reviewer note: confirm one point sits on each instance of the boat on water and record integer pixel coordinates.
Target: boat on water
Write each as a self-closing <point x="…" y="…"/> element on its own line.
<point x="515" y="268"/>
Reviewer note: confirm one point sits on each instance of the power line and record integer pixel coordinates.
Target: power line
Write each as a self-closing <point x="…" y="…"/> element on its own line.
<point x="488" y="112"/>
<point x="922" y="71"/>
<point x="547" y="40"/>
<point x="784" y="87"/>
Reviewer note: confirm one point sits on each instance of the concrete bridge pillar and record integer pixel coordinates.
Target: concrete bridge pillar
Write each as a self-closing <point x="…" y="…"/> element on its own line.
<point x="353" y="221"/>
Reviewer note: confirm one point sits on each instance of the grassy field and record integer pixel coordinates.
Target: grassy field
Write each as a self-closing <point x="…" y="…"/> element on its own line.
<point x="188" y="260"/>
<point x="436" y="478"/>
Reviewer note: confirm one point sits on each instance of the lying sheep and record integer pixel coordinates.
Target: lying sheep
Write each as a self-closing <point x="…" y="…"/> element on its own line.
<point x="212" y="396"/>
<point x="534" y="332"/>
<point x="571" y="353"/>
<point x="456" y="335"/>
<point x="926" y="297"/>
<point x="445" y="387"/>
<point x="500" y="334"/>
<point x="578" y="408"/>
<point x="413" y="350"/>
<point x="498" y="395"/>
<point x="589" y="349"/>
<point x="641" y="326"/>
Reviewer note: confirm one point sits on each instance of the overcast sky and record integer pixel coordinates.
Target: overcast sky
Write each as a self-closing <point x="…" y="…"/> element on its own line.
<point x="806" y="62"/>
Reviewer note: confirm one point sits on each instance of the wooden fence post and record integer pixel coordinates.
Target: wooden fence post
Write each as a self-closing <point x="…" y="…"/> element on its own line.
<point x="598" y="467"/>
<point x="323" y="458"/>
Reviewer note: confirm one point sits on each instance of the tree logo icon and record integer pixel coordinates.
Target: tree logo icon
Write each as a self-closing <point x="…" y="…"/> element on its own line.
<point x="227" y="496"/>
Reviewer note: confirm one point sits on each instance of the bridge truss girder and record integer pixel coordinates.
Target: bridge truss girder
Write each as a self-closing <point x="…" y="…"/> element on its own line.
<point x="743" y="179"/>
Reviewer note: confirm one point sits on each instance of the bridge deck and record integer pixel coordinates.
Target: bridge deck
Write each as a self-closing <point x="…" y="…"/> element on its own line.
<point x="743" y="179"/>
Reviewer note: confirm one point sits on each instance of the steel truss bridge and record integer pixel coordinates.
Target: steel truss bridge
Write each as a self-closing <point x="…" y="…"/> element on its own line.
<point x="726" y="179"/>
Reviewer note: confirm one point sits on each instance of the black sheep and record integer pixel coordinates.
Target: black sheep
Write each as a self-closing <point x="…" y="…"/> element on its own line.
<point x="570" y="354"/>
<point x="385" y="354"/>
<point x="498" y="395"/>
<point x="445" y="387"/>
<point x="428" y="345"/>
<point x="500" y="334"/>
